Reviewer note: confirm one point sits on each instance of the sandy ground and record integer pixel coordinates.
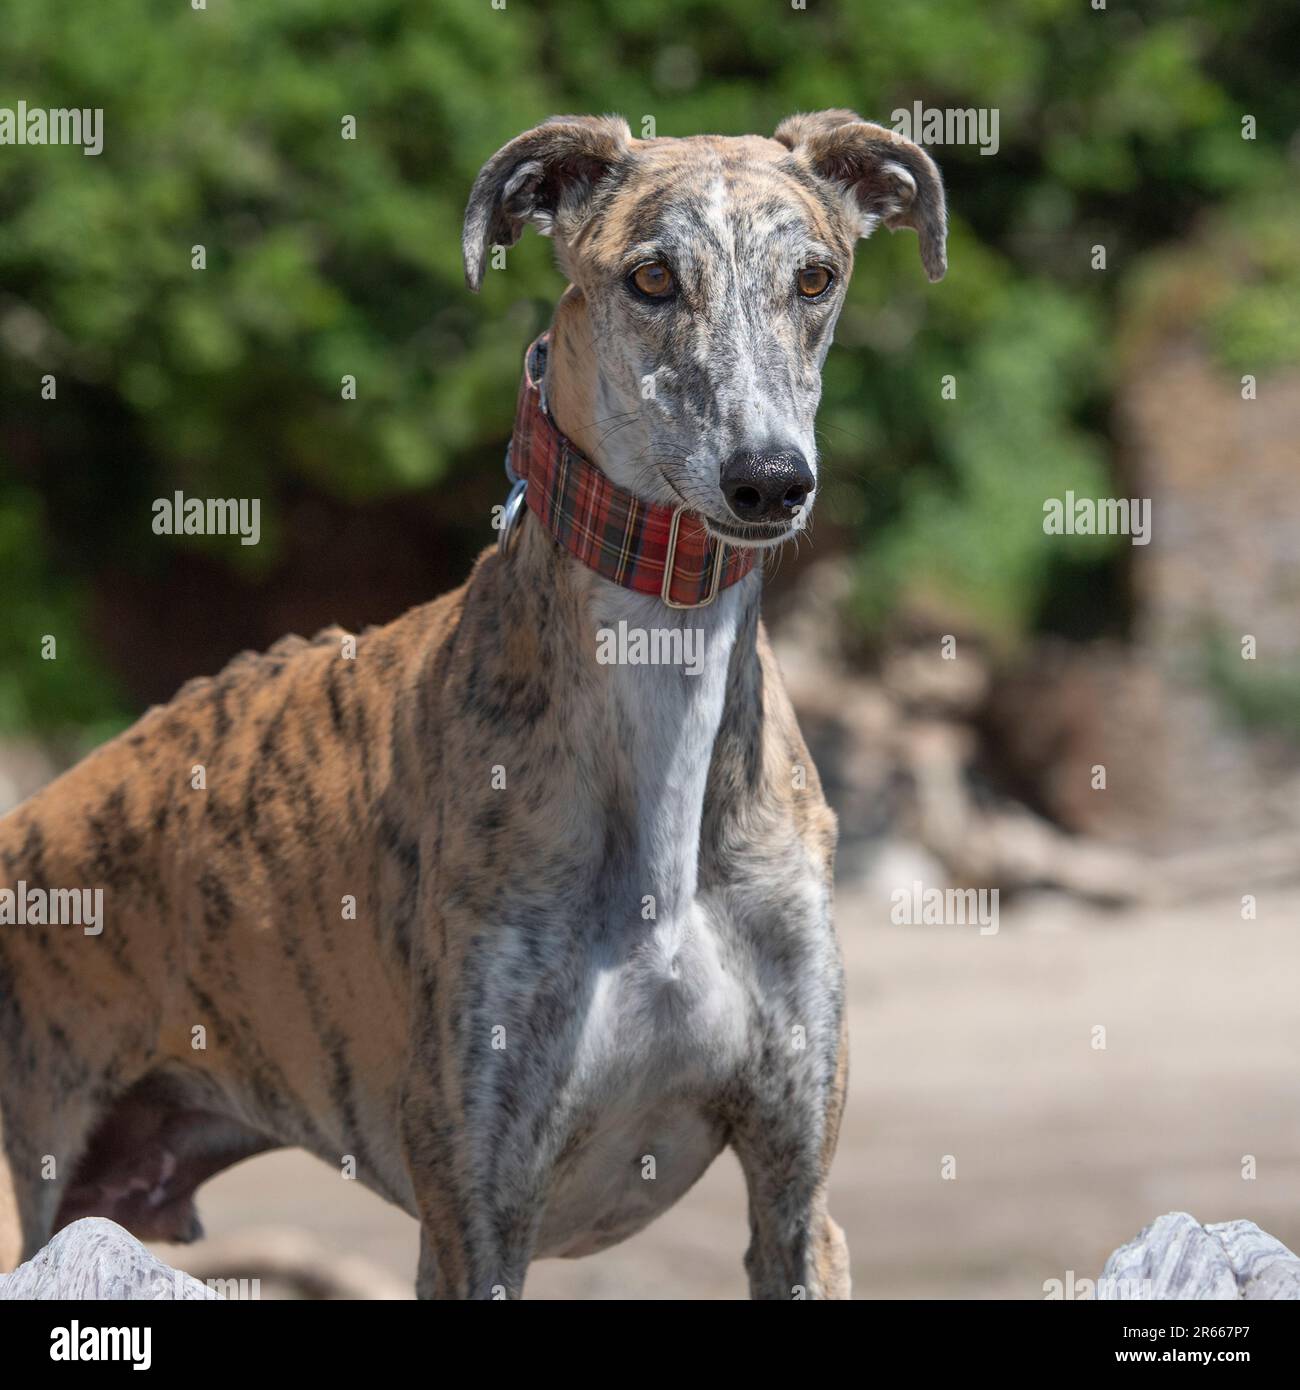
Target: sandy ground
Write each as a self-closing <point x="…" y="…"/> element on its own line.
<point x="981" y="1048"/>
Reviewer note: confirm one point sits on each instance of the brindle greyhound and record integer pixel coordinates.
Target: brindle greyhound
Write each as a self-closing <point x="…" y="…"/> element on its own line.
<point x="522" y="937"/>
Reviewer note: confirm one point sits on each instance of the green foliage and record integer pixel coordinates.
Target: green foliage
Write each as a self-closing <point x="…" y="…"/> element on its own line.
<point x="328" y="257"/>
<point x="41" y="606"/>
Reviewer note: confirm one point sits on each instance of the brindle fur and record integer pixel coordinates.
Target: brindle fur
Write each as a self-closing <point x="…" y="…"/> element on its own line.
<point x="503" y="1039"/>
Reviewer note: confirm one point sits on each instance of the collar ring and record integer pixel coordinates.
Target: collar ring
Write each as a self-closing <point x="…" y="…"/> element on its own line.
<point x="670" y="561"/>
<point x="511" y="515"/>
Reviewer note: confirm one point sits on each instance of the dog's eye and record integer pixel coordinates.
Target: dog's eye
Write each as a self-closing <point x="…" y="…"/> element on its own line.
<point x="653" y="280"/>
<point x="814" y="280"/>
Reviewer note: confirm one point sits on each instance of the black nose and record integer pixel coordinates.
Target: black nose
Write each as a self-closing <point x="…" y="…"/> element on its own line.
<point x="766" y="487"/>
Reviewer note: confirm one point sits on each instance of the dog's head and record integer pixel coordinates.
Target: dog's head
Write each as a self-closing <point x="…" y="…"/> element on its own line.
<point x="707" y="275"/>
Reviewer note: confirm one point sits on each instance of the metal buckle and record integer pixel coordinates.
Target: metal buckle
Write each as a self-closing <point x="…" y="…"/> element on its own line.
<point x="671" y="559"/>
<point x="514" y="506"/>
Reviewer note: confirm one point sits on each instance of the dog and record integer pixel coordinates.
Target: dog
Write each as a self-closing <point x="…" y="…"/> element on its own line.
<point x="518" y="933"/>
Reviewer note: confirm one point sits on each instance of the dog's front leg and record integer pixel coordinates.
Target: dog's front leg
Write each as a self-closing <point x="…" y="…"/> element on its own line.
<point x="796" y="1249"/>
<point x="785" y="1142"/>
<point x="455" y="1270"/>
<point x="476" y="1237"/>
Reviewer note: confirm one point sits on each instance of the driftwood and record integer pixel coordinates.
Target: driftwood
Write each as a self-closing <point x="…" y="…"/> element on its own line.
<point x="95" y="1258"/>
<point x="1177" y="1257"/>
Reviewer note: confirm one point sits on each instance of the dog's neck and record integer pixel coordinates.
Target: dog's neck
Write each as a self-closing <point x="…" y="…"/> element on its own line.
<point x="644" y="734"/>
<point x="572" y="375"/>
<point x="590" y="413"/>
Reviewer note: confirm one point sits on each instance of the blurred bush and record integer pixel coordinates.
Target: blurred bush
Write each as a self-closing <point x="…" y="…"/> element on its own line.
<point x="328" y="257"/>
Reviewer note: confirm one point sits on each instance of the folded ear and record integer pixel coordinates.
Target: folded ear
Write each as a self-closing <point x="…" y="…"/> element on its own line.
<point x="889" y="179"/>
<point x="546" y="174"/>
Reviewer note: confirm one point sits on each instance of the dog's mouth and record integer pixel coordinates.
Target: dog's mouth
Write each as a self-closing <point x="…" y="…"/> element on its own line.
<point x="754" y="535"/>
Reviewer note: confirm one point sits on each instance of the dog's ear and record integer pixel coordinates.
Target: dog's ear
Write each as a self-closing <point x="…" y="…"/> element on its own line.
<point x="541" y="176"/>
<point x="889" y="179"/>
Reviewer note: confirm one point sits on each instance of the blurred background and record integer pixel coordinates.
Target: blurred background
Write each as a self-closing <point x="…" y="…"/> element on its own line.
<point x="1163" y="907"/>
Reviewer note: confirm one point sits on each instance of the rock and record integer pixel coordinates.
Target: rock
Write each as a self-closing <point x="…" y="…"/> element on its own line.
<point x="96" y="1259"/>
<point x="1177" y="1258"/>
<point x="1264" y="1267"/>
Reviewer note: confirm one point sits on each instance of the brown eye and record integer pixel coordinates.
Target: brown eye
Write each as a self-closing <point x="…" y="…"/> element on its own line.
<point x="654" y="280"/>
<point x="814" y="280"/>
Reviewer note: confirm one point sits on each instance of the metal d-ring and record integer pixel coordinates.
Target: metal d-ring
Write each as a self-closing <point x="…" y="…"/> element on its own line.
<point x="670" y="560"/>
<point x="513" y="509"/>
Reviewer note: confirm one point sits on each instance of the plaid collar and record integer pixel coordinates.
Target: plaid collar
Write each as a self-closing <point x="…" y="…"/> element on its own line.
<point x="643" y="546"/>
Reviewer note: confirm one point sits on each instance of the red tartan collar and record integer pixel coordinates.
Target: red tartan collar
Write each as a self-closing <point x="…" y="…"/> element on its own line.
<point x="643" y="546"/>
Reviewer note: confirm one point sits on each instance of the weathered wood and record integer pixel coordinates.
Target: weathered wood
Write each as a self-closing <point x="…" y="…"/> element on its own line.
<point x="97" y="1259"/>
<point x="1177" y="1257"/>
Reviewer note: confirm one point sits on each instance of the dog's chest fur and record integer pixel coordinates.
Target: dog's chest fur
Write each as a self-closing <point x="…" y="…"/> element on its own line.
<point x="656" y="885"/>
<point x="636" y="1123"/>
<point x="659" y="982"/>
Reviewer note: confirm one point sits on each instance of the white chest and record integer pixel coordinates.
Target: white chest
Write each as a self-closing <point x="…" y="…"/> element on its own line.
<point x="663" y="1029"/>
